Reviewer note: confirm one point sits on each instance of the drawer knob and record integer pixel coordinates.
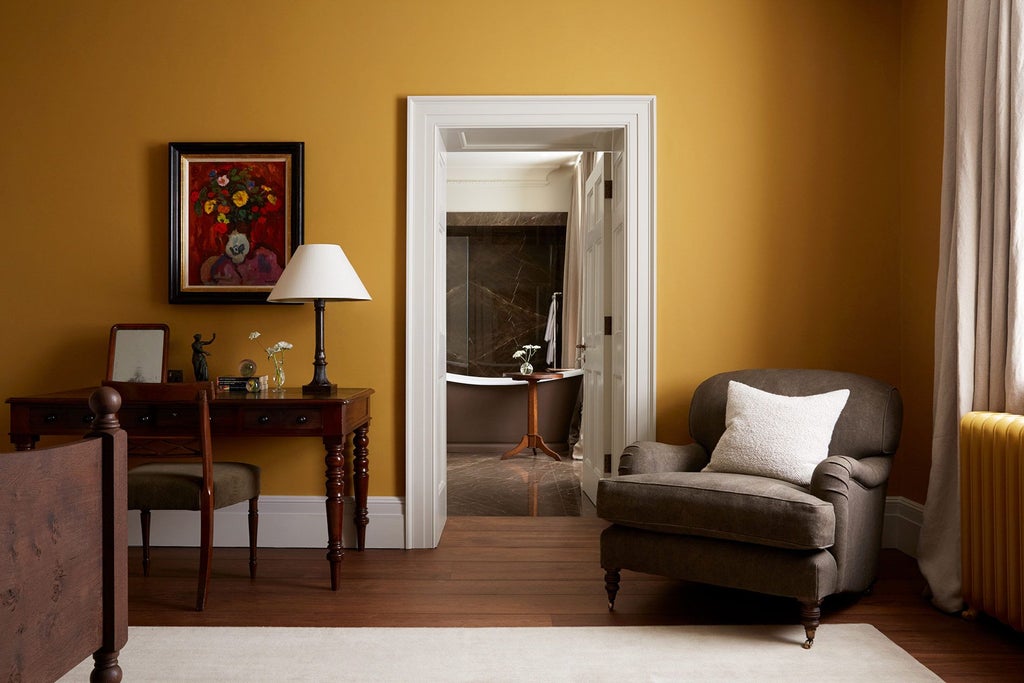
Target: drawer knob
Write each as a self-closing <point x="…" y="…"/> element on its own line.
<point x="301" y="419"/>
<point x="144" y="419"/>
<point x="50" y="419"/>
<point x="264" y="419"/>
<point x="87" y="419"/>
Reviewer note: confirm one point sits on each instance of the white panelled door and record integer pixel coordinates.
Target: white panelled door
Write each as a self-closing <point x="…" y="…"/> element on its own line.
<point x="615" y="382"/>
<point x="594" y="422"/>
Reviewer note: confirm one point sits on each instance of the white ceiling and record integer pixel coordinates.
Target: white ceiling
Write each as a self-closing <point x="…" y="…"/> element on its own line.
<point x="527" y="139"/>
<point x="519" y="168"/>
<point x="521" y="156"/>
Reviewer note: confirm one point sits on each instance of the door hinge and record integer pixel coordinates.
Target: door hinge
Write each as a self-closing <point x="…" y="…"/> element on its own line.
<point x="607" y="325"/>
<point x="608" y="189"/>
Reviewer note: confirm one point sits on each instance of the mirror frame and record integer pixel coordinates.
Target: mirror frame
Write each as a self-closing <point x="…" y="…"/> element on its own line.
<point x="143" y="346"/>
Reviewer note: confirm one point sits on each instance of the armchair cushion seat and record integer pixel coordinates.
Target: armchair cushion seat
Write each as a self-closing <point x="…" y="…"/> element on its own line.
<point x="734" y="507"/>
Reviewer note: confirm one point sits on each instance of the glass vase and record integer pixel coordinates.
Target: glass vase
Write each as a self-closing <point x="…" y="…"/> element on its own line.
<point x="279" y="378"/>
<point x="525" y="369"/>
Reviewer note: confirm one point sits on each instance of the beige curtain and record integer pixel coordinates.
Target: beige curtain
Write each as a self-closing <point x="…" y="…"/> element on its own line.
<point x="979" y="345"/>
<point x="572" y="278"/>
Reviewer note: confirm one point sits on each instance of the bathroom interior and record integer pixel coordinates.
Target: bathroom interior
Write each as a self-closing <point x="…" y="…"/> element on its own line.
<point x="508" y="216"/>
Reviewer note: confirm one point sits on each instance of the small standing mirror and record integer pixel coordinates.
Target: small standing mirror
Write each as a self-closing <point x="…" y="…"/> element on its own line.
<point x="138" y="352"/>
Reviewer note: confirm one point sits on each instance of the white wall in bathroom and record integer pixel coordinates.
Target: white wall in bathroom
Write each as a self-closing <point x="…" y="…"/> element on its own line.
<point x="510" y="181"/>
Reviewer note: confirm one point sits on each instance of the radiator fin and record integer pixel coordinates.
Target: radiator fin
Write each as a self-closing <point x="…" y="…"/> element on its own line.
<point x="991" y="448"/>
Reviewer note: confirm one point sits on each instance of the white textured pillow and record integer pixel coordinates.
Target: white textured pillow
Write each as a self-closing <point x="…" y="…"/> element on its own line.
<point x="783" y="437"/>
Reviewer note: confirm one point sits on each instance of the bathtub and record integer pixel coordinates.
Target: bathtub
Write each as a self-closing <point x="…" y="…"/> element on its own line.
<point x="488" y="414"/>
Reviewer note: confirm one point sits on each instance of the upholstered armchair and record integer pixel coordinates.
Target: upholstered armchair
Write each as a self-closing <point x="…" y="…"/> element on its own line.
<point x="781" y="492"/>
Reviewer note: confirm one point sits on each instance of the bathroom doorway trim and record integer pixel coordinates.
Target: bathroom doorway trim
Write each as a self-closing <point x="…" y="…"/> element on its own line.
<point x="559" y="122"/>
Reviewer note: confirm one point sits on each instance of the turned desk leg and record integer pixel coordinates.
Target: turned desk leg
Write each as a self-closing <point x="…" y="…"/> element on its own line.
<point x="361" y="481"/>
<point x="335" y="461"/>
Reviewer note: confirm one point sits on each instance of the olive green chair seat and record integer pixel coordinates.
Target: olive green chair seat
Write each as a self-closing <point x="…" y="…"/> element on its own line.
<point x="177" y="486"/>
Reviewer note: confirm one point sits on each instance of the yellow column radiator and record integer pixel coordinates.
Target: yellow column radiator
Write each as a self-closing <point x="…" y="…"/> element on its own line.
<point x="991" y="512"/>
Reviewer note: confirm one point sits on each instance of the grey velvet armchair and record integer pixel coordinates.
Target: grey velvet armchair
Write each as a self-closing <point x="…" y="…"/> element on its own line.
<point x="751" y="532"/>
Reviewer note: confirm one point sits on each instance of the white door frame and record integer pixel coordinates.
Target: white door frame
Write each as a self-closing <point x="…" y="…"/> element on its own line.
<point x="425" y="352"/>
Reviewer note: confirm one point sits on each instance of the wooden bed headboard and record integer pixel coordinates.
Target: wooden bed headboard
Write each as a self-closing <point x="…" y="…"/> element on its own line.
<point x="63" y="553"/>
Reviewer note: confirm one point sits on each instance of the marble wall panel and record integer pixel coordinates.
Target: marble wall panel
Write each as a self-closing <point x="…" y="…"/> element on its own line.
<point x="501" y="276"/>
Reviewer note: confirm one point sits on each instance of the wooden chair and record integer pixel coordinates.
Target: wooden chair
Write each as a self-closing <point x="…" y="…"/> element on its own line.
<point x="172" y="422"/>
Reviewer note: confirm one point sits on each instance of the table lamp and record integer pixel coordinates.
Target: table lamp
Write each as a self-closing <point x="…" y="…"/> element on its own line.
<point x="318" y="273"/>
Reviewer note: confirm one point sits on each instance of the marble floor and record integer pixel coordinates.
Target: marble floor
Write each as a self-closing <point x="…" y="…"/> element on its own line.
<point x="527" y="485"/>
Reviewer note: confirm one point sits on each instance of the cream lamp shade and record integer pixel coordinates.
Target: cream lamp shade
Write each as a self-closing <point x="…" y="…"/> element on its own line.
<point x="318" y="273"/>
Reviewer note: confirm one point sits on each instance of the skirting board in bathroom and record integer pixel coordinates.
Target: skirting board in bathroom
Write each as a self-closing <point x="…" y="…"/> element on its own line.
<point x="300" y="522"/>
<point x="284" y="522"/>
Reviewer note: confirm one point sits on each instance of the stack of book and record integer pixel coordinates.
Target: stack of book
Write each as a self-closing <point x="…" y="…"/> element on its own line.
<point x="238" y="383"/>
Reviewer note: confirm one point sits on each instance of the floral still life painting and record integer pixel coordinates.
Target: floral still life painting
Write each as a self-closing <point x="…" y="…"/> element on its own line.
<point x="236" y="219"/>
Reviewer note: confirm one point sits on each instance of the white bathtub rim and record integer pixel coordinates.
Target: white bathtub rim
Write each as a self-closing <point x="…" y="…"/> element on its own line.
<point x="455" y="378"/>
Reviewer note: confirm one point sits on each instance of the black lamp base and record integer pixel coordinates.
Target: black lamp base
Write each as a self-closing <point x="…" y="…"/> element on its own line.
<point x="320" y="385"/>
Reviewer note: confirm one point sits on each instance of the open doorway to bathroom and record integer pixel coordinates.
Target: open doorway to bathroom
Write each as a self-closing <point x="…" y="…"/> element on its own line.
<point x="440" y="125"/>
<point x="507" y="225"/>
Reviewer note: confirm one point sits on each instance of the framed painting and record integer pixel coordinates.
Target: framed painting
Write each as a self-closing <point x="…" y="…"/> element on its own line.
<point x="236" y="219"/>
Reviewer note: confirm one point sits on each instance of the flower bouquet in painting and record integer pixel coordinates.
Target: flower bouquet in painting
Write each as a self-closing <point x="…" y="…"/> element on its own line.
<point x="238" y="235"/>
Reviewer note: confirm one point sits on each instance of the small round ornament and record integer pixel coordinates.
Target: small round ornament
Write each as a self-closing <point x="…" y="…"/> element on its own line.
<point x="247" y="368"/>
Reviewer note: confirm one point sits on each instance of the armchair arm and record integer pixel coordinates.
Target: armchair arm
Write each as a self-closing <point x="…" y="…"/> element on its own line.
<point x="835" y="473"/>
<point x="856" y="489"/>
<point x="644" y="457"/>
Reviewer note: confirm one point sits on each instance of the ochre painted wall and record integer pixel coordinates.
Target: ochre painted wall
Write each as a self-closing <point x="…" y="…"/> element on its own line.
<point x="780" y="178"/>
<point x="921" y="121"/>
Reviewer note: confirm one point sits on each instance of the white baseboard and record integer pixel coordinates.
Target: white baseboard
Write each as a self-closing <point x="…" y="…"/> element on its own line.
<point x="284" y="522"/>
<point x="299" y="522"/>
<point x="903" y="518"/>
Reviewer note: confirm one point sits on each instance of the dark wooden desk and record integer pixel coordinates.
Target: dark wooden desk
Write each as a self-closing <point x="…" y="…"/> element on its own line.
<point x="531" y="439"/>
<point x="332" y="418"/>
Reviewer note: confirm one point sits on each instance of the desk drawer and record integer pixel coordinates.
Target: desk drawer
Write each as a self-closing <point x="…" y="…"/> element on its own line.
<point x="142" y="418"/>
<point x="59" y="419"/>
<point x="291" y="419"/>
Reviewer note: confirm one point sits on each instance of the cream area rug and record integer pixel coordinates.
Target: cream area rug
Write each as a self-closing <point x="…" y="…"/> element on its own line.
<point x="841" y="652"/>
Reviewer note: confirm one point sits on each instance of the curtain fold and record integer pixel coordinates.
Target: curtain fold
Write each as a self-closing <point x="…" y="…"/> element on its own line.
<point x="572" y="278"/>
<point x="978" y="322"/>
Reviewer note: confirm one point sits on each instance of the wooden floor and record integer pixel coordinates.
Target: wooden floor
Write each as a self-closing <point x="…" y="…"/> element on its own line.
<point x="521" y="571"/>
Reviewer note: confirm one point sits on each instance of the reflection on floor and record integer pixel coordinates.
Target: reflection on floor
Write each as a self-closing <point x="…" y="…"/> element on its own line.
<point x="527" y="485"/>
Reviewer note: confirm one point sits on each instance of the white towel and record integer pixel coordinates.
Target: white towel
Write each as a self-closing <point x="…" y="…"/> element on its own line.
<point x="551" y="333"/>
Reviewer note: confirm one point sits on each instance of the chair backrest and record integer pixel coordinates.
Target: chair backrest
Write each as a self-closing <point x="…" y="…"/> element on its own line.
<point x="166" y="419"/>
<point x="870" y="424"/>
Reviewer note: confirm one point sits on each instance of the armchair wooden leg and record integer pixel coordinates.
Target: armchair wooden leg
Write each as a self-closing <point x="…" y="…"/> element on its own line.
<point x="144" y="516"/>
<point x="611" y="585"/>
<point x="810" y="617"/>
<point x="254" y="522"/>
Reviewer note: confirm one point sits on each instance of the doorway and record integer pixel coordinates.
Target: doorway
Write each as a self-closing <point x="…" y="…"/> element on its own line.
<point x="437" y="124"/>
<point x="511" y="216"/>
